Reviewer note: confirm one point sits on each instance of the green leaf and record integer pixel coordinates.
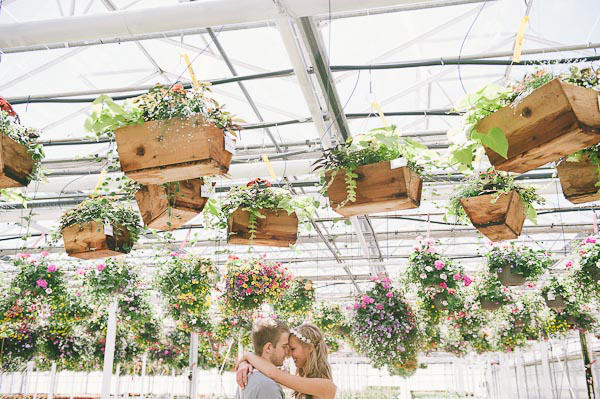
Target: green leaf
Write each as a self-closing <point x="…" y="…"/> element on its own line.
<point x="463" y="156"/>
<point x="495" y="140"/>
<point x="531" y="213"/>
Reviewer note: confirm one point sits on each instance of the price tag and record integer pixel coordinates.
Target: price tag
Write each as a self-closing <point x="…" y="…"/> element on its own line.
<point x="229" y="145"/>
<point x="206" y="190"/>
<point x="398" y="163"/>
<point x="108" y="229"/>
<point x="551" y="296"/>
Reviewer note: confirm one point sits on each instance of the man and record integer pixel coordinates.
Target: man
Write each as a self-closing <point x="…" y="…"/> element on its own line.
<point x="270" y="340"/>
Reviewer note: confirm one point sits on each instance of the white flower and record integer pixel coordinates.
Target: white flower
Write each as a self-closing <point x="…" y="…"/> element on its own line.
<point x="428" y="268"/>
<point x="598" y="263"/>
<point x="443" y="276"/>
<point x="48" y="291"/>
<point x="423" y="276"/>
<point x="445" y="303"/>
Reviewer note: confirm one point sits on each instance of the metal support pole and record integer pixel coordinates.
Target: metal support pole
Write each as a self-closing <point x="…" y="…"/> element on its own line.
<point x="547" y="372"/>
<point x="118" y="376"/>
<point x="109" y="349"/>
<point x="144" y="359"/>
<point x="587" y="363"/>
<point x="52" y="385"/>
<point x="193" y="391"/>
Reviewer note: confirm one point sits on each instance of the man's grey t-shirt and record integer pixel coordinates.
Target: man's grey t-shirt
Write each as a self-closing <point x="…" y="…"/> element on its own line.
<point x="260" y="387"/>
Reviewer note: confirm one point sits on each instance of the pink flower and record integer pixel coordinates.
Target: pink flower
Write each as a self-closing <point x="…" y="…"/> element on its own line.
<point x="374" y="278"/>
<point x="78" y="293"/>
<point x="379" y="306"/>
<point x="51" y="268"/>
<point x="44" y="253"/>
<point x="248" y="290"/>
<point x="590" y="240"/>
<point x="356" y="305"/>
<point x="439" y="265"/>
<point x="467" y="280"/>
<point x="582" y="252"/>
<point x="100" y="267"/>
<point x="531" y="285"/>
<point x="457" y="277"/>
<point x="389" y="294"/>
<point x="42" y="283"/>
<point x="569" y="264"/>
<point x="443" y="285"/>
<point x="23" y="256"/>
<point x="80" y="271"/>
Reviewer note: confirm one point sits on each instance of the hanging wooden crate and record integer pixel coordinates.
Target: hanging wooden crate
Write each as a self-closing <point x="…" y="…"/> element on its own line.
<point x="172" y="150"/>
<point x="277" y="229"/>
<point x="381" y="187"/>
<point x="169" y="206"/>
<point x="510" y="279"/>
<point x="578" y="180"/>
<point x="16" y="163"/>
<point x="552" y="122"/>
<point x="558" y="303"/>
<point x="92" y="240"/>
<point x="486" y="304"/>
<point x="498" y="220"/>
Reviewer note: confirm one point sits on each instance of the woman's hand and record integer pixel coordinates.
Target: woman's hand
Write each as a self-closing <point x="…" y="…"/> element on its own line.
<point x="243" y="370"/>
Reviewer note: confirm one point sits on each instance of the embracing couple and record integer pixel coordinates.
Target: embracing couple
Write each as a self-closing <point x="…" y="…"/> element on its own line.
<point x="259" y="376"/>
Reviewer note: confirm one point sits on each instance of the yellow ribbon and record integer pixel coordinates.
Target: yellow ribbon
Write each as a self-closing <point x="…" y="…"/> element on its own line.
<point x="191" y="71"/>
<point x="377" y="107"/>
<point x="519" y="39"/>
<point x="99" y="182"/>
<point x="265" y="159"/>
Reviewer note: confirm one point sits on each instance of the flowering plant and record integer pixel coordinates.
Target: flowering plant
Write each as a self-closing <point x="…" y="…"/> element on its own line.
<point x="520" y="322"/>
<point x="488" y="288"/>
<point x="297" y="300"/>
<point x="160" y="103"/>
<point x="523" y="261"/>
<point x="250" y="282"/>
<point x="588" y="272"/>
<point x="171" y="351"/>
<point x="384" y="326"/>
<point x="334" y="324"/>
<point x="109" y="278"/>
<point x="185" y="282"/>
<point x="255" y="197"/>
<point x="555" y="289"/>
<point x="10" y="127"/>
<point x="38" y="277"/>
<point x="492" y="182"/>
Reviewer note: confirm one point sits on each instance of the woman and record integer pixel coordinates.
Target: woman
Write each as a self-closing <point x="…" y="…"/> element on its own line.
<point x="313" y="378"/>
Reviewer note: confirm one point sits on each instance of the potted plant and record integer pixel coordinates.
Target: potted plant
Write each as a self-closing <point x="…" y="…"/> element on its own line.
<point x="251" y="282"/>
<point x="334" y="324"/>
<point x="555" y="294"/>
<point x="149" y="127"/>
<point x="384" y="326"/>
<point x="587" y="274"/>
<point x="490" y="293"/>
<point x="186" y="282"/>
<point x="514" y="264"/>
<point x="297" y="301"/>
<point x="530" y="123"/>
<point x="574" y="316"/>
<point x="439" y="278"/>
<point x="519" y="322"/>
<point x="494" y="204"/>
<point x="259" y="214"/>
<point x="375" y="172"/>
<point x="99" y="227"/>
<point x="579" y="175"/>
<point x="169" y="206"/>
<point x="20" y="155"/>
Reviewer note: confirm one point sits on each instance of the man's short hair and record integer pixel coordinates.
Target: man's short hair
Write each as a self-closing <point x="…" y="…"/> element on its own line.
<point x="267" y="330"/>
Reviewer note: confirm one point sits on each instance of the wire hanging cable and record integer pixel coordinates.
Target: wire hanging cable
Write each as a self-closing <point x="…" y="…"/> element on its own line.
<point x="463" y="43"/>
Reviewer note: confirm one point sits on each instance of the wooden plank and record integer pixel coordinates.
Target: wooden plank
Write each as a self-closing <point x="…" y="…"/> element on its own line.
<point x="88" y="241"/>
<point x="278" y="229"/>
<point x="554" y="121"/>
<point x="184" y="198"/>
<point x="172" y="150"/>
<point x="379" y="189"/>
<point x="578" y="180"/>
<point x="499" y="220"/>
<point x="17" y="163"/>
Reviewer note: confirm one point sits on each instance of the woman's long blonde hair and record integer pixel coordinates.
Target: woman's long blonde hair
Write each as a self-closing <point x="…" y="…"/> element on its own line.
<point x="317" y="365"/>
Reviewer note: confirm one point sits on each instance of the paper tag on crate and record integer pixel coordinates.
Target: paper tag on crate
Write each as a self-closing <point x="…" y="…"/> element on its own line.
<point x="108" y="229"/>
<point x="229" y="144"/>
<point x="551" y="296"/>
<point x="398" y="163"/>
<point x="207" y="190"/>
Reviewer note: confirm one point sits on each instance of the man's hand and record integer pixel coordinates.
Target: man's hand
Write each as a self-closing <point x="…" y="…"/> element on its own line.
<point x="241" y="376"/>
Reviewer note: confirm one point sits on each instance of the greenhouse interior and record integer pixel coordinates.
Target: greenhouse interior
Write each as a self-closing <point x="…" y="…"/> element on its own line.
<point x="387" y="199"/>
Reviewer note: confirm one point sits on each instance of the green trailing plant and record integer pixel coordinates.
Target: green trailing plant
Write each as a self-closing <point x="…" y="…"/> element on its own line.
<point x="555" y="288"/>
<point x="521" y="260"/>
<point x="587" y="274"/>
<point x="110" y="278"/>
<point x="10" y="127"/>
<point x="104" y="210"/>
<point x="488" y="288"/>
<point x="160" y="103"/>
<point x="466" y="141"/>
<point x="185" y="282"/>
<point x="297" y="301"/>
<point x="377" y="145"/>
<point x="492" y="182"/>
<point x="255" y="197"/>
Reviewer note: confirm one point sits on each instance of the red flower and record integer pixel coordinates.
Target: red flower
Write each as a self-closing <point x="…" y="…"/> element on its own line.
<point x="258" y="181"/>
<point x="178" y="88"/>
<point x="6" y="107"/>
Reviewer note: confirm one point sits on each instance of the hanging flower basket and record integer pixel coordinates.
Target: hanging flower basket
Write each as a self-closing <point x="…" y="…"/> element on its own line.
<point x="509" y="278"/>
<point x="514" y="264"/>
<point x="555" y="120"/>
<point x="486" y="304"/>
<point x="168" y="134"/>
<point x="557" y="303"/>
<point x="171" y="205"/>
<point x="378" y="171"/>
<point x="380" y="187"/>
<point x="99" y="228"/>
<point x="579" y="180"/>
